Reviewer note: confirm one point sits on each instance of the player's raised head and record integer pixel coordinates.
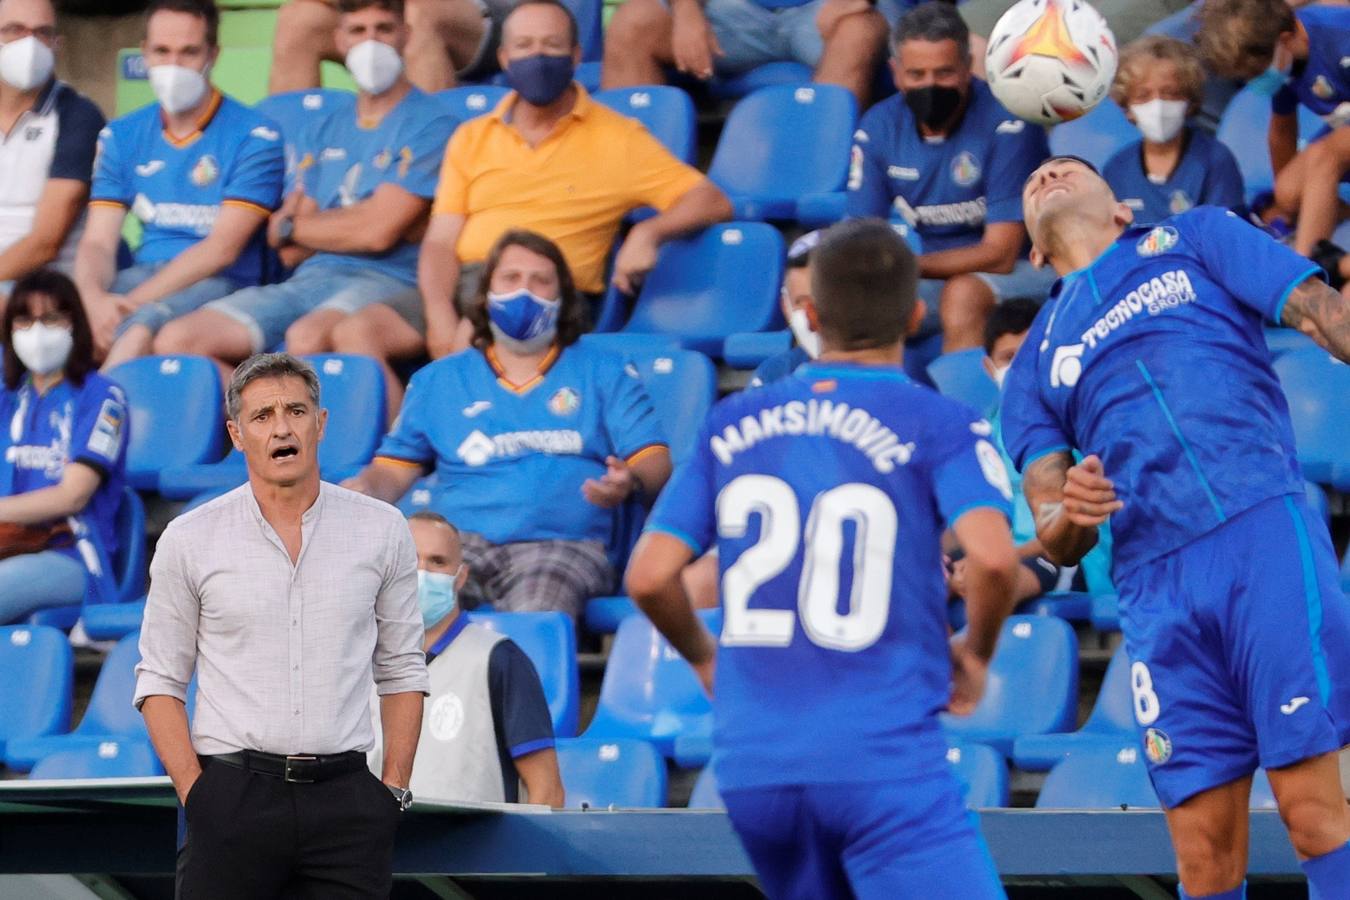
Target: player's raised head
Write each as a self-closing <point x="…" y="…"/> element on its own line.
<point x="864" y="281"/>
<point x="1067" y="187"/>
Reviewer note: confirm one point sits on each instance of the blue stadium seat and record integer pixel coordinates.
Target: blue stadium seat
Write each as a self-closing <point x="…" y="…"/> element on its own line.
<point x="614" y="772"/>
<point x="468" y="101"/>
<point x="983" y="772"/>
<point x="1263" y="797"/>
<point x="1032" y="686"/>
<point x="213" y="478"/>
<point x="1345" y="572"/>
<point x="748" y="349"/>
<point x="961" y="376"/>
<point x="111" y="621"/>
<point x="590" y="27"/>
<point x="1317" y="501"/>
<point x="1096" y="136"/>
<point x="629" y="342"/>
<point x="918" y="354"/>
<point x="1099" y="778"/>
<point x="705" y="794"/>
<point x="37" y="677"/>
<point x="110" y="715"/>
<point x="108" y="759"/>
<point x="589" y="75"/>
<point x="667" y="112"/>
<point x="1318" y="390"/>
<point x="294" y="110"/>
<point x="418" y="496"/>
<point x="649" y="692"/>
<point x="1071" y="606"/>
<point x="352" y="390"/>
<point x="713" y="284"/>
<point x="784" y="72"/>
<point x="1111" y="723"/>
<point x="782" y="142"/>
<point x="1106" y="612"/>
<point x="821" y="210"/>
<point x="682" y="385"/>
<point x="603" y="614"/>
<point x="176" y="414"/>
<point x="1244" y="129"/>
<point x="549" y="639"/>
<point x="1283" y="340"/>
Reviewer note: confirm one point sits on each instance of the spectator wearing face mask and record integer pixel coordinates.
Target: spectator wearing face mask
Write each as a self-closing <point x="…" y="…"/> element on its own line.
<point x="359" y="189"/>
<point x="486" y="729"/>
<point x="200" y="171"/>
<point x="795" y="292"/>
<point x="1160" y="83"/>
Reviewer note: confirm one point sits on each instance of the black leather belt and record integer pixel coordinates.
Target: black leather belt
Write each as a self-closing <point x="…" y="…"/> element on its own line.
<point x="304" y="768"/>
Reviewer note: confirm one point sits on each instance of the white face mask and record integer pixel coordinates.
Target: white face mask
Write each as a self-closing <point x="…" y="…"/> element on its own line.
<point x="375" y="66"/>
<point x="1000" y="374"/>
<point x="807" y="339"/>
<point x="26" y="63"/>
<point x="177" y="88"/>
<point x="1160" y="120"/>
<point x="42" y="348"/>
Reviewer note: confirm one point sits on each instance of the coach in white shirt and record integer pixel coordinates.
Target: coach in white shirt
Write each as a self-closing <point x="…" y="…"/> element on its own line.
<point x="289" y="597"/>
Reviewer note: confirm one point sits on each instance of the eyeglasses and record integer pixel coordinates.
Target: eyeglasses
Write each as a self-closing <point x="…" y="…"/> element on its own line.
<point x="24" y="321"/>
<point x="14" y="31"/>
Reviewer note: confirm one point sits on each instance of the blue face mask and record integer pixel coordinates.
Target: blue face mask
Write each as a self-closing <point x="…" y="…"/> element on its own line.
<point x="435" y="595"/>
<point x="522" y="321"/>
<point x="540" y="79"/>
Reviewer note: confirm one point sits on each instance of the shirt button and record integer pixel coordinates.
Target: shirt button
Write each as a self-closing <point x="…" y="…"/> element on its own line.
<point x="297" y="712"/>
<point x="295" y="668"/>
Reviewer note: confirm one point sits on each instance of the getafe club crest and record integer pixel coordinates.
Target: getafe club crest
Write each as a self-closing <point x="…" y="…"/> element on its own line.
<point x="1158" y="241"/>
<point x="205" y="171"/>
<point x="565" y="402"/>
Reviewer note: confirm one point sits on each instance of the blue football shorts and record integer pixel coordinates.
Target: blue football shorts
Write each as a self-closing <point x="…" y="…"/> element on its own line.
<point x="1239" y="645"/>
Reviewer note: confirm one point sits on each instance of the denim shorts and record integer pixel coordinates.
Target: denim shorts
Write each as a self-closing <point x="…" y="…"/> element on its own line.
<point x="267" y="311"/>
<point x="155" y="316"/>
<point x="751" y="35"/>
<point x="1024" y="281"/>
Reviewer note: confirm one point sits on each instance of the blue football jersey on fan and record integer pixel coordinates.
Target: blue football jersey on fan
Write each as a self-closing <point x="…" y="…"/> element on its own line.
<point x="1323" y="84"/>
<point x="1206" y="175"/>
<point x="341" y="162"/>
<point x="68" y="424"/>
<point x="176" y="187"/>
<point x="947" y="190"/>
<point x="510" y="459"/>
<point x="1154" y="358"/>
<point x="826" y="494"/>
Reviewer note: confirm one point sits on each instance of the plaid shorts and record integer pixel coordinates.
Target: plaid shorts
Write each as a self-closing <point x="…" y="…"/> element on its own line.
<point x="534" y="576"/>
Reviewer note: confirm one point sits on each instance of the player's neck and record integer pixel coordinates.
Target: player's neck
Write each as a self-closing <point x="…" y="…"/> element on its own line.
<point x="371" y="108"/>
<point x="891" y="355"/>
<point x="1078" y="241"/>
<point x="185" y="123"/>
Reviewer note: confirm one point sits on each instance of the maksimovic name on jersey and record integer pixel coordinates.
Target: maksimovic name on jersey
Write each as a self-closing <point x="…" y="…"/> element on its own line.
<point x="812" y="418"/>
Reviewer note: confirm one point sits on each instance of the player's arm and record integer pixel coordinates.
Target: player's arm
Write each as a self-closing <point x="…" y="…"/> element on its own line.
<point x="234" y="226"/>
<point x="58" y="209"/>
<point x="996" y="252"/>
<point x="990" y="569"/>
<point x="1321" y="313"/>
<point x="375" y="225"/>
<point x="654" y="583"/>
<point x="1069" y="502"/>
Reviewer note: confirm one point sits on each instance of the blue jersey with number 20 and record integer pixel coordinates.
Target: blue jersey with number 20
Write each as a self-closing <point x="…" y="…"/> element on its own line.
<point x="825" y="494"/>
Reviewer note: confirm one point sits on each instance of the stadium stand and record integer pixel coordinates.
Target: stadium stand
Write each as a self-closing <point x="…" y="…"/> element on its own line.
<point x="1110" y="724"/>
<point x="1099" y="778"/>
<point x="961" y="376"/>
<point x="129" y="758"/>
<point x="549" y="639"/>
<point x="705" y="794"/>
<point x="1318" y="390"/>
<point x="614" y="772"/>
<point x="667" y="112"/>
<point x="1096" y="136"/>
<point x="470" y="100"/>
<point x="176" y="415"/>
<point x="37" y="678"/>
<point x="983" y="772"/>
<point x="294" y="110"/>
<point x="1243" y="127"/>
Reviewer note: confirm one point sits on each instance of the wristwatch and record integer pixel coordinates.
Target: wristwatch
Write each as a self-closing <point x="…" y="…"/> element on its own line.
<point x="285" y="228"/>
<point x="402" y="796"/>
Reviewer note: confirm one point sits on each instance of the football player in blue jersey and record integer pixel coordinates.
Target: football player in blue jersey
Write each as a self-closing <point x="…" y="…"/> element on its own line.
<point x="826" y="494"/>
<point x="946" y="158"/>
<point x="1150" y="359"/>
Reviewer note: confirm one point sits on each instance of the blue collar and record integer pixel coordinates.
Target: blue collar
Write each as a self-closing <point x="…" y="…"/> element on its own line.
<point x="451" y="633"/>
<point x="812" y="369"/>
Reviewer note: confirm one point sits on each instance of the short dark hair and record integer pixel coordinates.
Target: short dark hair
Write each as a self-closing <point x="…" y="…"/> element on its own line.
<point x="1010" y="317"/>
<point x="933" y="21"/>
<point x="203" y="9"/>
<point x="430" y="515"/>
<point x="268" y="365"/>
<point x="864" y="279"/>
<point x="66" y="298"/>
<point x="573" y="30"/>
<point x="351" y="6"/>
<point x="573" y="320"/>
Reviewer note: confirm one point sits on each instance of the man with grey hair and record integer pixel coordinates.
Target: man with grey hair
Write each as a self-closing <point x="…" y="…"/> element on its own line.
<point x="289" y="598"/>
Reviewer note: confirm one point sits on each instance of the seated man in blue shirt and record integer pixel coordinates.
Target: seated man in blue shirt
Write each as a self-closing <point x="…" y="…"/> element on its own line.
<point x="200" y="171"/>
<point x="795" y="292"/>
<point x="360" y="187"/>
<point x="946" y="157"/>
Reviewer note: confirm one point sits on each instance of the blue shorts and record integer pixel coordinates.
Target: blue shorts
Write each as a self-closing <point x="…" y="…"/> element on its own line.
<point x="751" y="35"/>
<point x="155" y="316"/>
<point x="888" y="841"/>
<point x="1239" y="645"/>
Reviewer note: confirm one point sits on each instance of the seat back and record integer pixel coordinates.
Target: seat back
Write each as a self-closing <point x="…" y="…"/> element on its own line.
<point x="469" y="101"/>
<point x="177" y="417"/>
<point x="1114" y="709"/>
<point x="1099" y="778"/>
<point x="109" y="759"/>
<point x="1244" y="128"/>
<point x="705" y="794"/>
<point x="709" y="285"/>
<point x="37" y="678"/>
<point x="984" y="773"/>
<point x="682" y="385"/>
<point x="590" y="27"/>
<point x="128" y="562"/>
<point x="649" y="692"/>
<point x="786" y="140"/>
<point x="1317" y="388"/>
<point x="961" y="376"/>
<point x="615" y="772"/>
<point x="549" y="639"/>
<point x="110" y="710"/>
<point x="666" y="111"/>
<point x="1033" y="682"/>
<point x="352" y="390"/>
<point x="1096" y="136"/>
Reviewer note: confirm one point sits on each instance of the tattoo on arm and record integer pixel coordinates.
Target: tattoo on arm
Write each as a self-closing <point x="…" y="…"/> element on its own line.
<point x="1322" y="314"/>
<point x="1043" y="484"/>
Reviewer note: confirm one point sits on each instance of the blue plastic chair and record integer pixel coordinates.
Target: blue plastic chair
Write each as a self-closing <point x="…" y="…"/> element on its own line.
<point x="748" y="350"/>
<point x="110" y="715"/>
<point x="1106" y="612"/>
<point x="614" y="772"/>
<point x="983" y="772"/>
<point x="353" y="391"/>
<point x="204" y="479"/>
<point x="1096" y="136"/>
<point x="821" y="210"/>
<point x="631" y="342"/>
<point x="667" y="112"/>
<point x="961" y="376"/>
<point x="590" y="27"/>
<point x="549" y="639"/>
<point x="294" y="110"/>
<point x="1099" y="778"/>
<point x="782" y="142"/>
<point x="604" y="614"/>
<point x="176" y="415"/>
<point x="1318" y="390"/>
<point x="783" y="72"/>
<point x="711" y="285"/>
<point x="468" y="101"/>
<point x="1282" y="340"/>
<point x="705" y="794"/>
<point x="112" y="621"/>
<point x="682" y="386"/>
<point x="37" y="678"/>
<point x="1032" y="686"/>
<point x="649" y="692"/>
<point x="1244" y="128"/>
<point x="1263" y="796"/>
<point x="108" y="759"/>
<point x="1110" y="725"/>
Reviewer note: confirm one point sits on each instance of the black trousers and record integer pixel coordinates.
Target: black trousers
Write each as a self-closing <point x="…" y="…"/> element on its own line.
<point x="259" y="837"/>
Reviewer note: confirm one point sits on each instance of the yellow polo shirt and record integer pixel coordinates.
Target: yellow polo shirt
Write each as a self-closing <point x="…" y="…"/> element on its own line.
<point x="574" y="188"/>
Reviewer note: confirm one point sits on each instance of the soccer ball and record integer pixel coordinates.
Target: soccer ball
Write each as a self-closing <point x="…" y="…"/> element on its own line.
<point x="1050" y="60"/>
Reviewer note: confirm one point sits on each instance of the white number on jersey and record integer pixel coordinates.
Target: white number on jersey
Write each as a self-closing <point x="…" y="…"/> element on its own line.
<point x="1146" y="707"/>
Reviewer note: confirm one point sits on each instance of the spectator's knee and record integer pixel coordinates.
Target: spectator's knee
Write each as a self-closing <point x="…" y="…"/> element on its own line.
<point x="637" y="26"/>
<point x="305" y="337"/>
<point x="303" y="27"/>
<point x="355" y="334"/>
<point x="965" y="298"/>
<point x="178" y="338"/>
<point x="859" y="34"/>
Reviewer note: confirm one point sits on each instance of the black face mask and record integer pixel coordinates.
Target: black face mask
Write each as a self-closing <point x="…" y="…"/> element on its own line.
<point x="933" y="105"/>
